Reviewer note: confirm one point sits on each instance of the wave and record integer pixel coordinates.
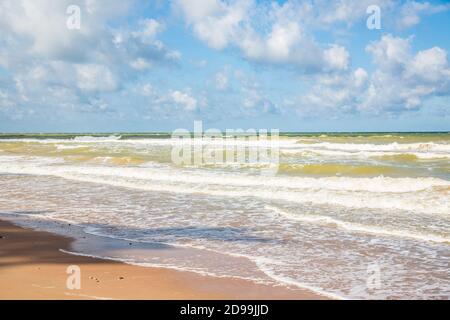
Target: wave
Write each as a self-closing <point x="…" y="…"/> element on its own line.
<point x="355" y="227"/>
<point x="164" y="142"/>
<point x="286" y="146"/>
<point x="96" y="139"/>
<point x="394" y="146"/>
<point x="70" y="147"/>
<point x="156" y="172"/>
<point x="261" y="266"/>
<point x="379" y="192"/>
<point x="383" y="155"/>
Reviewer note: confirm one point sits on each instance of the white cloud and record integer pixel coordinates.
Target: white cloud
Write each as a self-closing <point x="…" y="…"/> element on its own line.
<point x="429" y="65"/>
<point x="51" y="65"/>
<point x="185" y="100"/>
<point x="402" y="81"/>
<point x="221" y="81"/>
<point x="333" y="94"/>
<point x="411" y="11"/>
<point x="214" y="21"/>
<point x="268" y="33"/>
<point x="255" y="99"/>
<point x="196" y="10"/>
<point x="403" y="14"/>
<point x="281" y="40"/>
<point x="147" y="89"/>
<point x="140" y="64"/>
<point x="274" y="33"/>
<point x="337" y="58"/>
<point x="148" y="29"/>
<point x="344" y="11"/>
<point x="390" y="52"/>
<point x="5" y="100"/>
<point x="40" y="27"/>
<point x="94" y="77"/>
<point x="360" y="76"/>
<point x="252" y="97"/>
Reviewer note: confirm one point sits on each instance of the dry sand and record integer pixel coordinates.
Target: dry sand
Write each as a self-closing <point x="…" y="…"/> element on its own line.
<point x="33" y="267"/>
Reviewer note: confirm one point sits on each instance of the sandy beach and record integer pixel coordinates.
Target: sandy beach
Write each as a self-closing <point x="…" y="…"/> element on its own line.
<point x="33" y="267"/>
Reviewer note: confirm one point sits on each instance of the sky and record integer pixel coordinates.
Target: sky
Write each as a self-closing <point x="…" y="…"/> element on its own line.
<point x="292" y="65"/>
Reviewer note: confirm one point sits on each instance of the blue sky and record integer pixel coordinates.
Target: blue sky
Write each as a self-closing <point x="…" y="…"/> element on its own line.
<point x="159" y="65"/>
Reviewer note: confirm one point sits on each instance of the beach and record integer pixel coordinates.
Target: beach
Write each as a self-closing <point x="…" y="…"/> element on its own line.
<point x="225" y="149"/>
<point x="344" y="216"/>
<point x="33" y="267"/>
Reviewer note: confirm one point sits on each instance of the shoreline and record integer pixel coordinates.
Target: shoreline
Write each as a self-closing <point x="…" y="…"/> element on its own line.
<point x="33" y="266"/>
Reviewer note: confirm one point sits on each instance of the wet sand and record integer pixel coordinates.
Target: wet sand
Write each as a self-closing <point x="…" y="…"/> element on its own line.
<point x="33" y="267"/>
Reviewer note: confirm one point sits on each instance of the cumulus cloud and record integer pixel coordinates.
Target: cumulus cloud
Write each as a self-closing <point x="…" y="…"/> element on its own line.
<point x="51" y="64"/>
<point x="92" y="77"/>
<point x="214" y="21"/>
<point x="281" y="40"/>
<point x="255" y="99"/>
<point x="360" y="77"/>
<point x="184" y="99"/>
<point x="332" y="93"/>
<point x="149" y="29"/>
<point x="402" y="81"/>
<point x="270" y="32"/>
<point x="403" y="14"/>
<point x="337" y="57"/>
<point x="39" y="27"/>
<point x="411" y="11"/>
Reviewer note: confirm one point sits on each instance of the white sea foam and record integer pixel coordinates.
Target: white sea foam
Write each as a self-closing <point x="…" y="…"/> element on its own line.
<point x="111" y="138"/>
<point x="349" y="226"/>
<point x="154" y="172"/>
<point x="69" y="146"/>
<point x="426" y="150"/>
<point x="260" y="263"/>
<point x="267" y="269"/>
<point x="163" y="265"/>
<point x="363" y="154"/>
<point x="394" y="146"/>
<point x="378" y="192"/>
